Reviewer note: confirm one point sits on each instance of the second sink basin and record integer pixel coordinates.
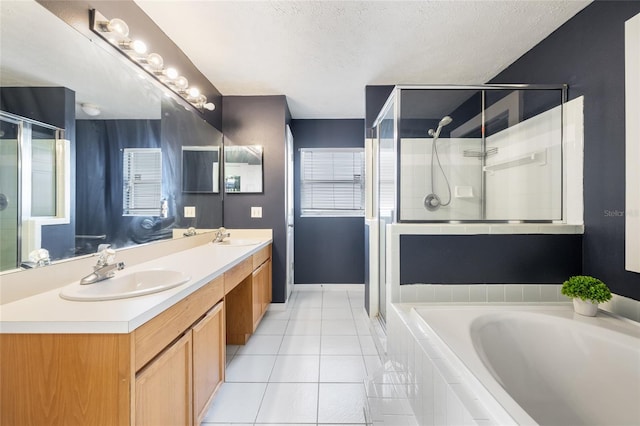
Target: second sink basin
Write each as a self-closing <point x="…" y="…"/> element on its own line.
<point x="125" y="285"/>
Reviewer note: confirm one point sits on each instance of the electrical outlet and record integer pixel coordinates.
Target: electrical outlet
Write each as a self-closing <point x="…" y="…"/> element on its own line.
<point x="190" y="211"/>
<point x="256" y="212"/>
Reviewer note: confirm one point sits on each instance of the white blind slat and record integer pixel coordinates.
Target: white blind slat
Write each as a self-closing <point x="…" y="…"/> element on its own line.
<point x="332" y="181"/>
<point x="142" y="177"/>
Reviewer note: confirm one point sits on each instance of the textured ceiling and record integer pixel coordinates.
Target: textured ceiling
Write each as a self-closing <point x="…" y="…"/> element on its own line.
<point x="322" y="54"/>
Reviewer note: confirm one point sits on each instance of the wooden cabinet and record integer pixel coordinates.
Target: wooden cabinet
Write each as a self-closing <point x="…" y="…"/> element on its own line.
<point x="165" y="372"/>
<point x="208" y="359"/>
<point x="261" y="292"/>
<point x="163" y="388"/>
<point x="248" y="297"/>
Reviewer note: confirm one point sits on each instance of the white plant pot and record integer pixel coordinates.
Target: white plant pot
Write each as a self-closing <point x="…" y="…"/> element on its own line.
<point x="585" y="307"/>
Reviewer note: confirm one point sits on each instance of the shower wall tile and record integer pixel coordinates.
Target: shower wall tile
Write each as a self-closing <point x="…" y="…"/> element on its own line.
<point x="531" y="293"/>
<point x="442" y="293"/>
<point x="495" y="293"/>
<point x="478" y="293"/>
<point x="513" y="293"/>
<point x="460" y="293"/>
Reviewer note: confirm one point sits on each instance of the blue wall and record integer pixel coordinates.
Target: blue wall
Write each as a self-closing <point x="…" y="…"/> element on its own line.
<point x="587" y="53"/>
<point x="327" y="250"/>
<point x="261" y="120"/>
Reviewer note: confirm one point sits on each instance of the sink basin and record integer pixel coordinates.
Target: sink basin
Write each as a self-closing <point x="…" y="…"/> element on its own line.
<point x="126" y="285"/>
<point x="238" y="242"/>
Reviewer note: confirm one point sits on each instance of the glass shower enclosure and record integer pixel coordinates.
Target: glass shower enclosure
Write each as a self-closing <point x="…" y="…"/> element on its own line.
<point x="468" y="154"/>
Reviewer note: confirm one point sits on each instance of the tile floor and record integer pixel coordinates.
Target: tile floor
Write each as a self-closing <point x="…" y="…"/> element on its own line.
<point x="305" y="365"/>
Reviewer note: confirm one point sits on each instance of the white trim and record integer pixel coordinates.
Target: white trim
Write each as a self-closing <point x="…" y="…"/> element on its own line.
<point x="632" y="124"/>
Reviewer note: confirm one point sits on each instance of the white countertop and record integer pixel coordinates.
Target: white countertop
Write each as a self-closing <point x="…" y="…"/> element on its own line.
<point x="49" y="313"/>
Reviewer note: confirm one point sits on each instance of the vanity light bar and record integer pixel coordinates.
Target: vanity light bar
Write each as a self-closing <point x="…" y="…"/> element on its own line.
<point x="116" y="32"/>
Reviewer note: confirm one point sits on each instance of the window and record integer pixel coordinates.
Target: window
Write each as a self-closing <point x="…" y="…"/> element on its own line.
<point x="142" y="175"/>
<point x="332" y="181"/>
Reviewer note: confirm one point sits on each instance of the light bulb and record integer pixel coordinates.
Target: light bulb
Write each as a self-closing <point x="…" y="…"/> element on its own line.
<point x="117" y="26"/>
<point x="193" y="92"/>
<point x="171" y="73"/>
<point x="139" y="47"/>
<point x="155" y="61"/>
<point x="182" y="83"/>
<point x="209" y="106"/>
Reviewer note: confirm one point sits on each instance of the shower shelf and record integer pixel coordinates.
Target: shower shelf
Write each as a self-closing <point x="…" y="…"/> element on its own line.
<point x="480" y="154"/>
<point x="539" y="157"/>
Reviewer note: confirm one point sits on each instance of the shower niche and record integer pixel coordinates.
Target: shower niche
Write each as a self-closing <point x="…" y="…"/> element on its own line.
<point x="484" y="153"/>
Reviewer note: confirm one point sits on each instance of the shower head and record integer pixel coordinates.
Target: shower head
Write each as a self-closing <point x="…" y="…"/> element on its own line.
<point x="445" y="120"/>
<point x="436" y="134"/>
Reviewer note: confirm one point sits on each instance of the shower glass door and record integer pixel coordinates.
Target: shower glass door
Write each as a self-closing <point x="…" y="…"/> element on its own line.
<point x="386" y="195"/>
<point x="9" y="190"/>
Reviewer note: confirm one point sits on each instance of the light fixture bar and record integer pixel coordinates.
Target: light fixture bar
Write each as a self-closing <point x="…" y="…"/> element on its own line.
<point x="116" y="32"/>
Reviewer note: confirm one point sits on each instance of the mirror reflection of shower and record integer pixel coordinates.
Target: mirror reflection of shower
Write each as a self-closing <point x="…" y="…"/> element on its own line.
<point x="432" y="201"/>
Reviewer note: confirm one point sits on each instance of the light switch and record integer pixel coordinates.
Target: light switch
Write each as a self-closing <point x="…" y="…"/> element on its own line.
<point x="190" y="211"/>
<point x="256" y="212"/>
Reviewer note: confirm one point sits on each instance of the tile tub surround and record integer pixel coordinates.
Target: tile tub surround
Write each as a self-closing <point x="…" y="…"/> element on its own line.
<point x="508" y="293"/>
<point x="304" y="365"/>
<point x="446" y="383"/>
<point x="46" y="312"/>
<point x="396" y="230"/>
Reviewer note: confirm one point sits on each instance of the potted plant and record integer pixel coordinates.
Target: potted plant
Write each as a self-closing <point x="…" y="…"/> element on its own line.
<point x="586" y="292"/>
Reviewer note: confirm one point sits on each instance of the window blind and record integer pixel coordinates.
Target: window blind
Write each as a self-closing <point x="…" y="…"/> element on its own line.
<point x="332" y="181"/>
<point x="142" y="177"/>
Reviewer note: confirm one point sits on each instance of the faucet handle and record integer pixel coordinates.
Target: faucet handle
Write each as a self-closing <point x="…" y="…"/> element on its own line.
<point x="106" y="256"/>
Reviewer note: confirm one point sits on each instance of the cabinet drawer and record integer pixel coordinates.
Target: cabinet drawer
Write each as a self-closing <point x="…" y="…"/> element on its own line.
<point x="260" y="257"/>
<point x="235" y="275"/>
<point x="153" y="336"/>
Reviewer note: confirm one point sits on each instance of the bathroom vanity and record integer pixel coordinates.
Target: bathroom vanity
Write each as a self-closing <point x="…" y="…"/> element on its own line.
<point x="155" y="359"/>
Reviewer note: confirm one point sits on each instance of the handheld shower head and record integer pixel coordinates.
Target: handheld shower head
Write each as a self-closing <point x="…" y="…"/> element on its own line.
<point x="445" y="120"/>
<point x="436" y="134"/>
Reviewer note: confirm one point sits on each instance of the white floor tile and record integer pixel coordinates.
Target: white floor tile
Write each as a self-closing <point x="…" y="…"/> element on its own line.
<point x="272" y="326"/>
<point x="236" y="403"/>
<point x="232" y="349"/>
<point x="261" y="345"/>
<point x="306" y="314"/>
<point x="337" y="314"/>
<point x="335" y="299"/>
<point x="304" y="387"/>
<point x="342" y="369"/>
<point x="296" y="369"/>
<point x="338" y="328"/>
<point x="341" y="403"/>
<point x="372" y="363"/>
<point x="303" y="328"/>
<point x="277" y="314"/>
<point x="340" y="345"/>
<point x="368" y="346"/>
<point x="250" y="368"/>
<point x="289" y="403"/>
<point x="300" y="345"/>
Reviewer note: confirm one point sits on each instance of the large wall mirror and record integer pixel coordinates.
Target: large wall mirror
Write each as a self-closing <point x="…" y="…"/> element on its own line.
<point x="53" y="76"/>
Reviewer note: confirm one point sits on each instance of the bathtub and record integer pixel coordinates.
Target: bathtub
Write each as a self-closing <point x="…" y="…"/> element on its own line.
<point x="539" y="364"/>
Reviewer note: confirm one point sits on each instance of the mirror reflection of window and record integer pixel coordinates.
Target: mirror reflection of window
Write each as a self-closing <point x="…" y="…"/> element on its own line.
<point x="200" y="169"/>
<point x="43" y="172"/>
<point x="243" y="169"/>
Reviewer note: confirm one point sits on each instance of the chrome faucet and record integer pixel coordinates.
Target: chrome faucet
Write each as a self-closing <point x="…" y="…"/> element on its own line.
<point x="221" y="234"/>
<point x="105" y="267"/>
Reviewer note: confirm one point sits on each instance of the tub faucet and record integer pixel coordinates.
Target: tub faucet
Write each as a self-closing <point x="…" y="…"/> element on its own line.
<point x="105" y="267"/>
<point x="221" y="234"/>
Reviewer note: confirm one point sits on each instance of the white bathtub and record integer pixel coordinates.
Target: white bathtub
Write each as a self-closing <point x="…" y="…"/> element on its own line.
<point x="541" y="364"/>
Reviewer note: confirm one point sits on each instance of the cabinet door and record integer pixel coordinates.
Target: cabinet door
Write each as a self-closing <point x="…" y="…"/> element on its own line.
<point x="163" y="388"/>
<point x="259" y="284"/>
<point x="267" y="286"/>
<point x="208" y="359"/>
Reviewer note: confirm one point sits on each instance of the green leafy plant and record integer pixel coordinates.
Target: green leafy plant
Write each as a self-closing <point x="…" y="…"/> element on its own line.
<point x="586" y="288"/>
